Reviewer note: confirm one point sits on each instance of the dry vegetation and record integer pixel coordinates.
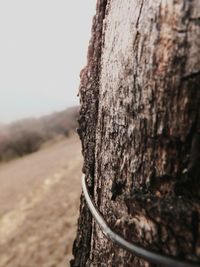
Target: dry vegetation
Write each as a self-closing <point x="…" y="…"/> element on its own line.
<point x="27" y="136"/>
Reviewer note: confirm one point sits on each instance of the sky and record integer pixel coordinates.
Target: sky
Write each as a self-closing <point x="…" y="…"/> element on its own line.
<point x="43" y="47"/>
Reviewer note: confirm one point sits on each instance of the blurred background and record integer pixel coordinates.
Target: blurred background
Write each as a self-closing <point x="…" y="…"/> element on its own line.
<point x="42" y="50"/>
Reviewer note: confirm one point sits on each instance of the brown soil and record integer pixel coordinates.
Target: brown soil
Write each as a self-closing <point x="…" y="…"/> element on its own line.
<point x="39" y="200"/>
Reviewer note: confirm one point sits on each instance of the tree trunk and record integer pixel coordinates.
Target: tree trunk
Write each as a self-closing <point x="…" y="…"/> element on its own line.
<point x="140" y="130"/>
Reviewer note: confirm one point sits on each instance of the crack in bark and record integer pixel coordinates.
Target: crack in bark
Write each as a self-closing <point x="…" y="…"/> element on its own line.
<point x="140" y="12"/>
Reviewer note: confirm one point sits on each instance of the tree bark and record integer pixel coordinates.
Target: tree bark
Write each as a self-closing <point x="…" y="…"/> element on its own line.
<point x="140" y="130"/>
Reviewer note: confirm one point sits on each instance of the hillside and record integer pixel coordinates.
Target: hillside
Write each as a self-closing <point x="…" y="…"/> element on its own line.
<point x="28" y="135"/>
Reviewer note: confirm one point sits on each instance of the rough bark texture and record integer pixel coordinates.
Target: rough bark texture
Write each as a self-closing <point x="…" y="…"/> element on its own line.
<point x="140" y="130"/>
<point x="89" y="91"/>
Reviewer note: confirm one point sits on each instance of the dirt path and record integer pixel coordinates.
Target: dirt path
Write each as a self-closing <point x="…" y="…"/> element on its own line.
<point x="39" y="199"/>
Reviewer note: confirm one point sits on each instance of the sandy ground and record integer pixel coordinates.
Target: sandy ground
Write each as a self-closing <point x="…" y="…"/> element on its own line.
<point x="39" y="200"/>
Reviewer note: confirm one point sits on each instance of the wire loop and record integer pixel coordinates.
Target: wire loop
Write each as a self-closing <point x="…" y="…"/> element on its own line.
<point x="139" y="251"/>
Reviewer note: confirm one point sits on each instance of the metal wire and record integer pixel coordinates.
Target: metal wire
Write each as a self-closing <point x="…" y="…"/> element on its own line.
<point x="135" y="249"/>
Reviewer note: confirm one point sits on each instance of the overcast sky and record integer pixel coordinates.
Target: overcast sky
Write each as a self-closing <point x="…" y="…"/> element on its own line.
<point x="43" y="46"/>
